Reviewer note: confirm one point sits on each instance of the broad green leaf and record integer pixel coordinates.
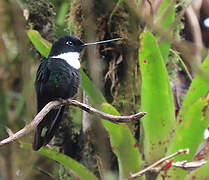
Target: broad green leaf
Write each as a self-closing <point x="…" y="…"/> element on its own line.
<point x="96" y="98"/>
<point x="156" y="99"/>
<point x="191" y="121"/>
<point x="77" y="168"/>
<point x="198" y="88"/>
<point x="190" y="134"/>
<point x="123" y="144"/>
<point x="166" y="16"/>
<point x="40" y="44"/>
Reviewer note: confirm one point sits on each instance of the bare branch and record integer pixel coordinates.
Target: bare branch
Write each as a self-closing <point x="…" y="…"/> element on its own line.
<point x="149" y="168"/>
<point x="9" y="131"/>
<point x="29" y="127"/>
<point x="112" y="118"/>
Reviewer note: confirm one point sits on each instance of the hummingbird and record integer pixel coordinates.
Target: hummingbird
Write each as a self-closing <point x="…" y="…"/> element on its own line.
<point x="58" y="77"/>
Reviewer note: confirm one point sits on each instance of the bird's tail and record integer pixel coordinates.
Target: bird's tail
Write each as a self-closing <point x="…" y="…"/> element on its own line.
<point x="47" y="127"/>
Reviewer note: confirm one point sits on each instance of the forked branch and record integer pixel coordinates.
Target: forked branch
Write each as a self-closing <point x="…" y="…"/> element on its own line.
<point x="29" y="127"/>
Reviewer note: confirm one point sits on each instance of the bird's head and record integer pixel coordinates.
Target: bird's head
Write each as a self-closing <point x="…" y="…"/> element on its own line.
<point x="66" y="44"/>
<point x="69" y="48"/>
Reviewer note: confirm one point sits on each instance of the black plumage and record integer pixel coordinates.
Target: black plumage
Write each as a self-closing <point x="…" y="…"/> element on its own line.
<point x="55" y="79"/>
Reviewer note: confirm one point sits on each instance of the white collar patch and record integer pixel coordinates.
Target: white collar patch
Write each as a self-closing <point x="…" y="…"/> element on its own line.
<point x="72" y="59"/>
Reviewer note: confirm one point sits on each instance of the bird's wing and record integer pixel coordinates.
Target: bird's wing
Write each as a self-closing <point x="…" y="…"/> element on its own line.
<point x="42" y="76"/>
<point x="46" y="128"/>
<point x="43" y="71"/>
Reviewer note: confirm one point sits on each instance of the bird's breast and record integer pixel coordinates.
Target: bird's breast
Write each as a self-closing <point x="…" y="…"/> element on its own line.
<point x="72" y="58"/>
<point x="63" y="80"/>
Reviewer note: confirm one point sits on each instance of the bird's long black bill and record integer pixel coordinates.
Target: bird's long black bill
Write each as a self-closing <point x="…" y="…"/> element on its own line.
<point x="101" y="42"/>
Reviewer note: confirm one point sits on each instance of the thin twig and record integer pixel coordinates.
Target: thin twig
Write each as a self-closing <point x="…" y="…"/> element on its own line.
<point x="9" y="131"/>
<point x="112" y="118"/>
<point x="140" y="173"/>
<point x="179" y="164"/>
<point x="183" y="64"/>
<point x="29" y="127"/>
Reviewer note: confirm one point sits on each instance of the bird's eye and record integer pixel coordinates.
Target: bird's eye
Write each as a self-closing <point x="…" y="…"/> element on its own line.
<point x="69" y="43"/>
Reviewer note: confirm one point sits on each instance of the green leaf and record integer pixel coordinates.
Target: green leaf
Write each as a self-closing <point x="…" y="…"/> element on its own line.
<point x="77" y="168"/>
<point x="123" y="144"/>
<point x="190" y="134"/>
<point x="166" y="16"/>
<point x="192" y="120"/>
<point x="156" y="99"/>
<point x="164" y="49"/>
<point x="197" y="89"/>
<point x="40" y="44"/>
